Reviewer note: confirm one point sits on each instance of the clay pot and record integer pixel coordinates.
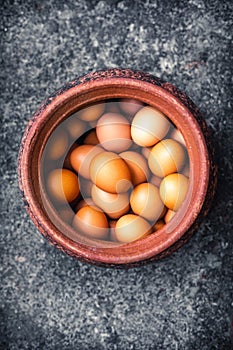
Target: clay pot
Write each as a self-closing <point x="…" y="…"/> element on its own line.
<point x="99" y="86"/>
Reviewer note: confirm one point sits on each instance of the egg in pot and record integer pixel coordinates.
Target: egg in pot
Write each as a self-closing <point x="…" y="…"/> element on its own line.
<point x="91" y="221"/>
<point x="91" y="113"/>
<point x="146" y="202"/>
<point x="63" y="185"/>
<point x="57" y="144"/>
<point x="75" y="127"/>
<point x="131" y="227"/>
<point x="166" y="157"/>
<point x="113" y="132"/>
<point x="113" y="204"/>
<point x="173" y="189"/>
<point x="81" y="157"/>
<point x="137" y="166"/>
<point x="110" y="173"/>
<point x="129" y="175"/>
<point x="149" y="126"/>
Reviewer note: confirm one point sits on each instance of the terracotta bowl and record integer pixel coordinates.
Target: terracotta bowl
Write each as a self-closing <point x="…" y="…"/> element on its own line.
<point x="99" y="86"/>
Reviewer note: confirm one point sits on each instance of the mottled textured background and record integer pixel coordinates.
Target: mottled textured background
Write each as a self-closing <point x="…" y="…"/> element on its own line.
<point x="51" y="301"/>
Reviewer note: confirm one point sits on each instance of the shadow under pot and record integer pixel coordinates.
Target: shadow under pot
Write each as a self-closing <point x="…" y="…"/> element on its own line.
<point x="116" y="168"/>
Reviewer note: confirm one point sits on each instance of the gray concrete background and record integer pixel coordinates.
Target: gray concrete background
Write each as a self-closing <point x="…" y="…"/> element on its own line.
<point x="51" y="301"/>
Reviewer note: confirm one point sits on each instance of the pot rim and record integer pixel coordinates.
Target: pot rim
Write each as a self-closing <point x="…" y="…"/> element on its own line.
<point x="123" y="86"/>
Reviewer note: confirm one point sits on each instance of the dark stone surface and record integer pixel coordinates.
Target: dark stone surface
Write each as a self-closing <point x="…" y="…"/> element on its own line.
<point x="51" y="301"/>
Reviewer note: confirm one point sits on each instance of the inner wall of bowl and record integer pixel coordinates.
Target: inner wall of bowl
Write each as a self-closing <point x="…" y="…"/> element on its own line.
<point x="182" y="119"/>
<point x="68" y="209"/>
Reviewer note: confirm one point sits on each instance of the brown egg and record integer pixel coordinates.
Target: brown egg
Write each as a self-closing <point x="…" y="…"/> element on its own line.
<point x="146" y="202"/>
<point x="176" y="135"/>
<point x="91" y="139"/>
<point x="173" y="189"/>
<point x="92" y="222"/>
<point x="149" y="126"/>
<point x="166" y="157"/>
<point x="137" y="166"/>
<point x="91" y="113"/>
<point x="81" y="158"/>
<point x="113" y="204"/>
<point x="63" y="185"/>
<point x="113" y="132"/>
<point x="130" y="106"/>
<point x="75" y="127"/>
<point x="169" y="215"/>
<point x="158" y="225"/>
<point x="131" y="227"/>
<point x="109" y="172"/>
<point x="57" y="144"/>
